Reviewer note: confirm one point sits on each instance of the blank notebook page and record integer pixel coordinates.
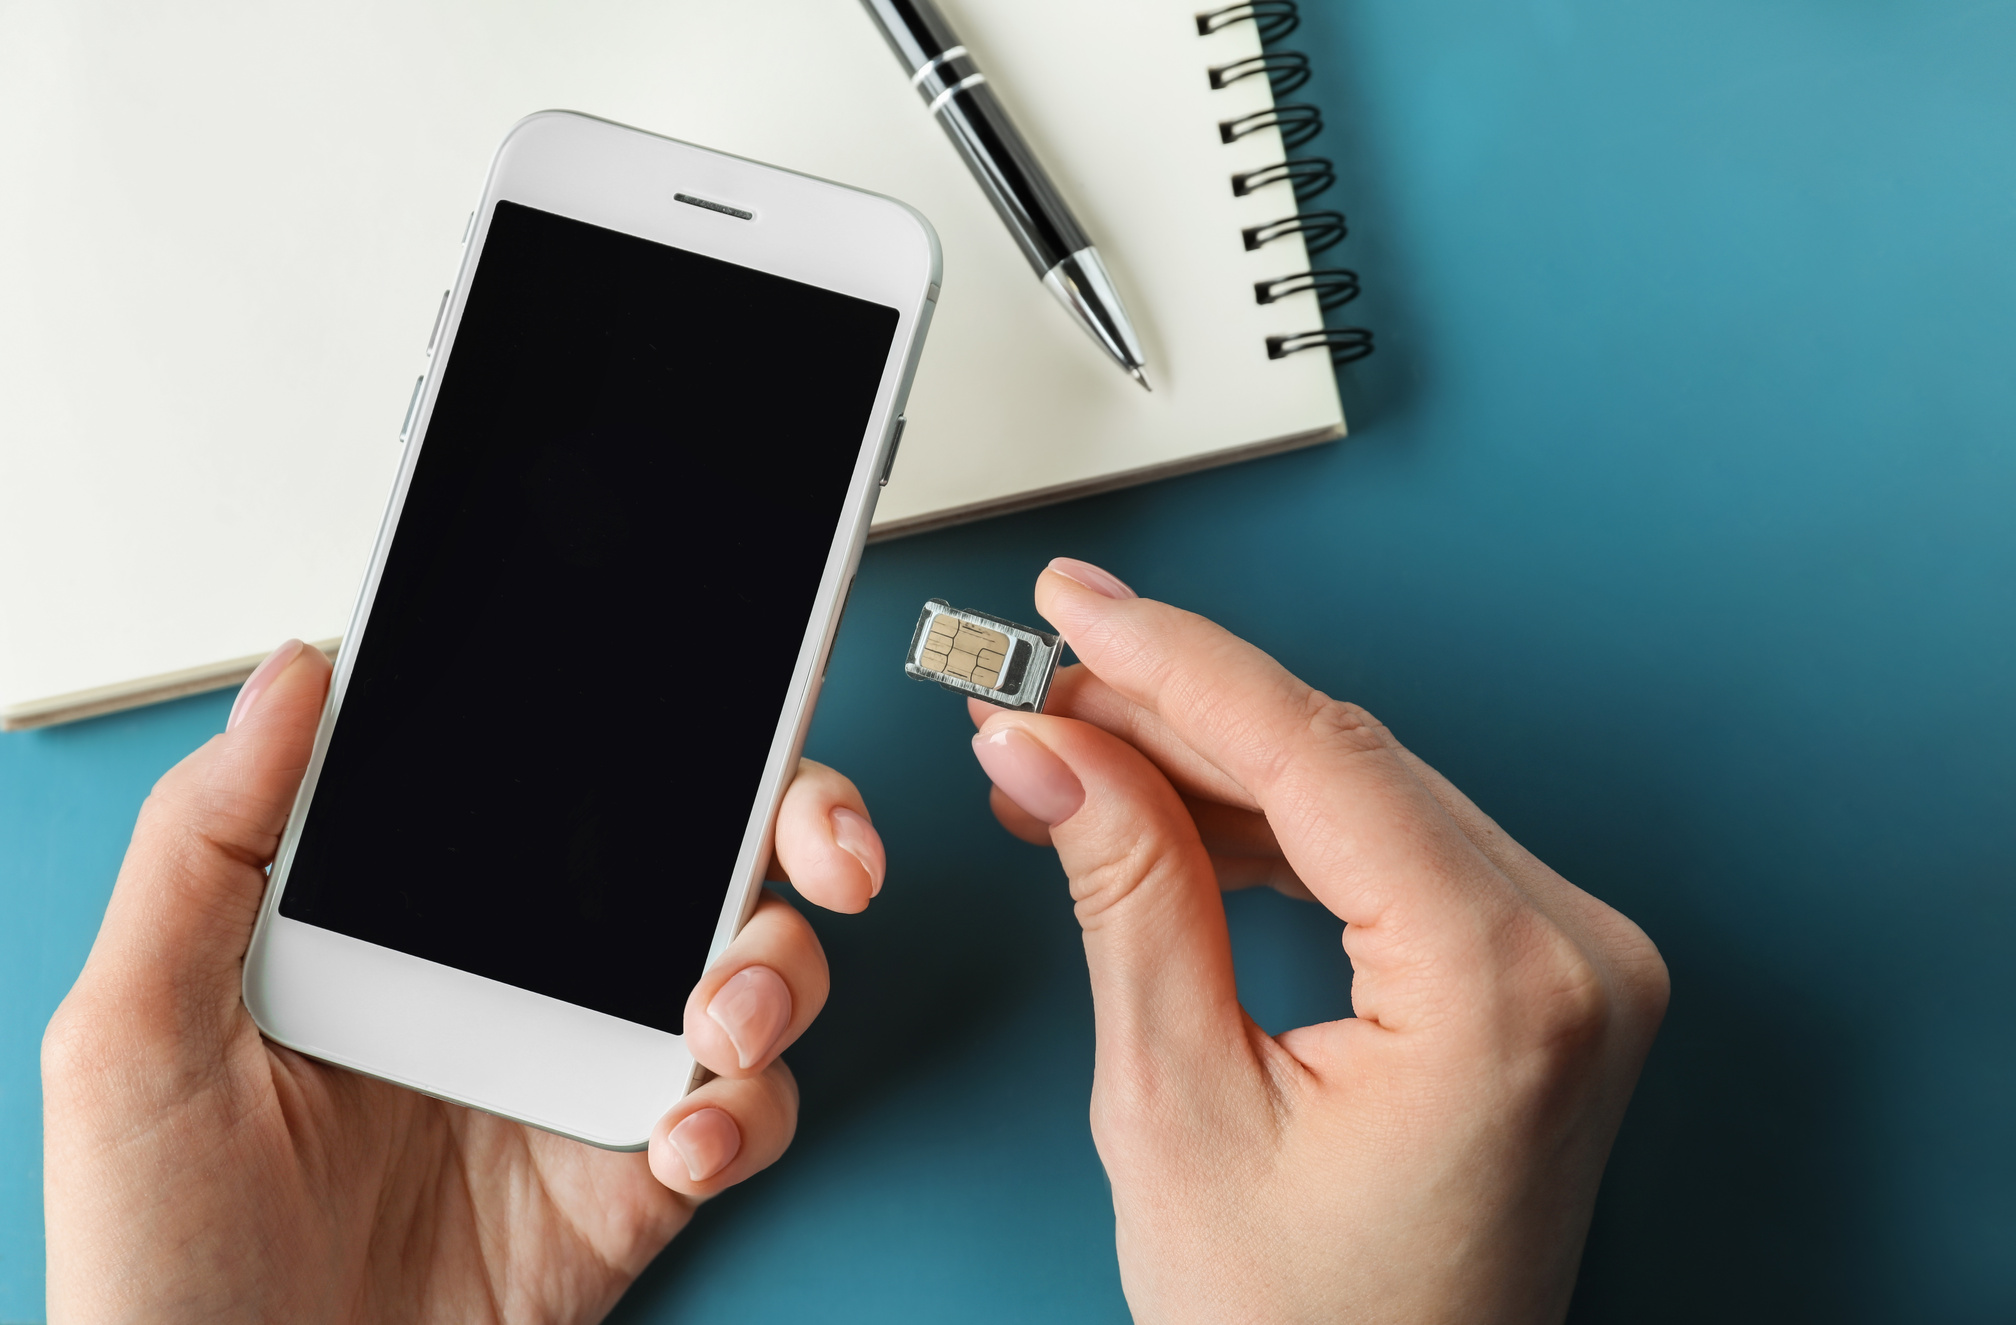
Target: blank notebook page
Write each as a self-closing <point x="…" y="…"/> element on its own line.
<point x="226" y="230"/>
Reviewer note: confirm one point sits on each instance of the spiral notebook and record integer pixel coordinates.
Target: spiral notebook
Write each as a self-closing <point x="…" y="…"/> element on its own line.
<point x="227" y="228"/>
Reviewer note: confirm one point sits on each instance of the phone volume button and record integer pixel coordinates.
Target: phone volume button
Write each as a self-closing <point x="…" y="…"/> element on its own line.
<point x="440" y="315"/>
<point x="406" y="428"/>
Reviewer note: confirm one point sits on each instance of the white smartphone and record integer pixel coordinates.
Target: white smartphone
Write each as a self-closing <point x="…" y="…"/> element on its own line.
<point x="638" y="477"/>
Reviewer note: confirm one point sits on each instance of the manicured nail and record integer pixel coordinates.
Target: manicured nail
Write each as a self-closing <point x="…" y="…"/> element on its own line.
<point x="858" y="838"/>
<point x="706" y="1140"/>
<point x="262" y="677"/>
<point x="1030" y="775"/>
<point x="1098" y="581"/>
<point x="754" y="1007"/>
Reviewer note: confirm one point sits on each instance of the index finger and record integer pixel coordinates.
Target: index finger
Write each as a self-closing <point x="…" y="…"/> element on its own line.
<point x="1077" y="693"/>
<point x="826" y="846"/>
<point x="1359" y="827"/>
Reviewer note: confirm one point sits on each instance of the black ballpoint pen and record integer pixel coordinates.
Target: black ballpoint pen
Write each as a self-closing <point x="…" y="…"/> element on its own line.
<point x="1050" y="237"/>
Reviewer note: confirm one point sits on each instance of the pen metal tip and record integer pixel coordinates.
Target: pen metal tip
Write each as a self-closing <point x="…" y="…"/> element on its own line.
<point x="1141" y="379"/>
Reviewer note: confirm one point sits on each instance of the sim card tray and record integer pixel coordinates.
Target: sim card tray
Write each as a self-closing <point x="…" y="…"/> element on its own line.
<point x="972" y="653"/>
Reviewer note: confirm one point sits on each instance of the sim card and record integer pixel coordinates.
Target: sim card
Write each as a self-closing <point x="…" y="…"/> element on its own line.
<point x="974" y="654"/>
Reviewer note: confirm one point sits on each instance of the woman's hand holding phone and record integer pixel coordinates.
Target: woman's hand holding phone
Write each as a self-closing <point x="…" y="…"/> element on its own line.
<point x="1434" y="1158"/>
<point x="197" y="1171"/>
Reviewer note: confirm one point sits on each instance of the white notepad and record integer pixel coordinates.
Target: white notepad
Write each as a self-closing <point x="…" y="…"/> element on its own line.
<point x="225" y="231"/>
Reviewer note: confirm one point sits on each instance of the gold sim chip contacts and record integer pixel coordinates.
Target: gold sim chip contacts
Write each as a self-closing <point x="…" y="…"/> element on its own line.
<point x="984" y="656"/>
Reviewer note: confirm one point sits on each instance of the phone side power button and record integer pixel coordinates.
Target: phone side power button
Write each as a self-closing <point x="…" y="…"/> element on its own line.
<point x="839" y="620"/>
<point x="895" y="440"/>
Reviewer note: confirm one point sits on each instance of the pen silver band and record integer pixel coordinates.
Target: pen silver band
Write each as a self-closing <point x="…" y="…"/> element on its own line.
<point x="970" y="80"/>
<point x="924" y="70"/>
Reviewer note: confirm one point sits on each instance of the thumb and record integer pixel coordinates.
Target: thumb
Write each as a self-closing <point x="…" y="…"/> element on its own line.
<point x="181" y="914"/>
<point x="1154" y="923"/>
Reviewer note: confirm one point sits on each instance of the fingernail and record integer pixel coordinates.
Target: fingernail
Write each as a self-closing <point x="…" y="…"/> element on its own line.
<point x="858" y="838"/>
<point x="1029" y="774"/>
<point x="754" y="1007"/>
<point x="262" y="676"/>
<point x="1098" y="581"/>
<point x="706" y="1140"/>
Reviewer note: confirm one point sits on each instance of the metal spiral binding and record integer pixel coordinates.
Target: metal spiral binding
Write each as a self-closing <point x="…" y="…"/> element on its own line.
<point x="1297" y="122"/>
<point x="1347" y="344"/>
<point x="1306" y="176"/>
<point x="1285" y="70"/>
<point x="1334" y="287"/>
<point x="1275" y="18"/>
<point x="1319" y="230"/>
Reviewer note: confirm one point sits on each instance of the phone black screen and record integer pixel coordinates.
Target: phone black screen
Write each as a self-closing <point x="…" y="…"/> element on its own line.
<point x="582" y="640"/>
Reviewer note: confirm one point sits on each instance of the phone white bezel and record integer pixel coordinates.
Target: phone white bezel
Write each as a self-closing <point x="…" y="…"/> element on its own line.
<point x="480" y="1042"/>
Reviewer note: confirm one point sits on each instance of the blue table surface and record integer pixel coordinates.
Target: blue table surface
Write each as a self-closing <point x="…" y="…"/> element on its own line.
<point x="1676" y="528"/>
